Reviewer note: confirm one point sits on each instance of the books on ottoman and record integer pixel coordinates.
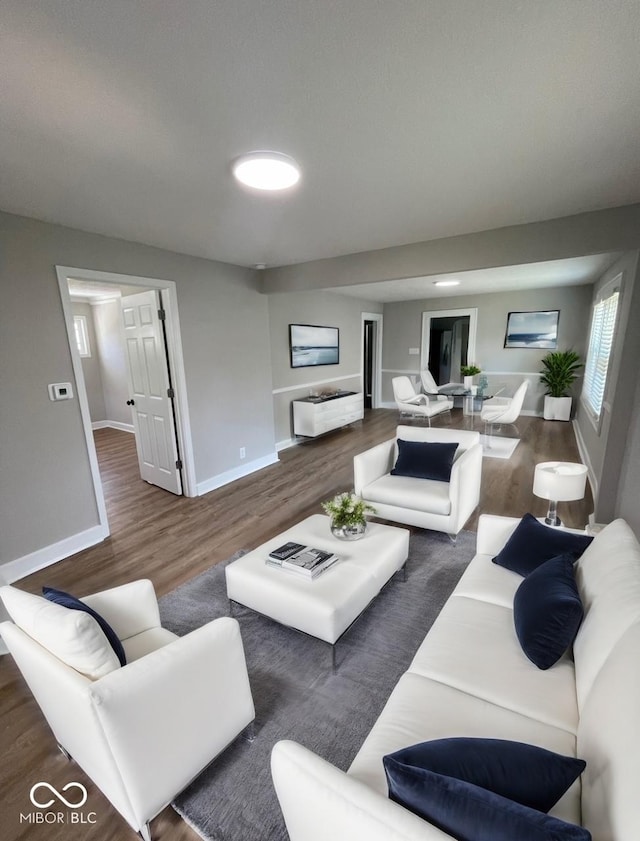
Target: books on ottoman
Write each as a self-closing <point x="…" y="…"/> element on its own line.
<point x="303" y="560"/>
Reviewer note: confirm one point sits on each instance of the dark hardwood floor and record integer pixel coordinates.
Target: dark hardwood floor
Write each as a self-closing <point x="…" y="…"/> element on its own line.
<point x="170" y="539"/>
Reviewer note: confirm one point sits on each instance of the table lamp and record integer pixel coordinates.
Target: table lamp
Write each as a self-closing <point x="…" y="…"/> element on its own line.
<point x="559" y="481"/>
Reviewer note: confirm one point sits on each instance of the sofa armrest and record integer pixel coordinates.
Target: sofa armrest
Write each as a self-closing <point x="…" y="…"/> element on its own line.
<point x="372" y="464"/>
<point x="168" y="714"/>
<point x="464" y="485"/>
<point x="319" y="801"/>
<point x="129" y="609"/>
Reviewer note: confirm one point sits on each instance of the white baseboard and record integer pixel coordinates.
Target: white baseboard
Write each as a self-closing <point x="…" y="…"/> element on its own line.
<point x="386" y="405"/>
<point x="107" y="424"/>
<point x="283" y="445"/>
<point x="235" y="473"/>
<point x="584" y="455"/>
<point x="21" y="567"/>
<point x="531" y="413"/>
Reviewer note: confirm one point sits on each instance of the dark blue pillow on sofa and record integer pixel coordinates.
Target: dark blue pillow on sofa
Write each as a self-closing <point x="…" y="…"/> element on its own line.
<point x="67" y="600"/>
<point x="547" y="611"/>
<point x="425" y="460"/>
<point x="533" y="543"/>
<point x="485" y="789"/>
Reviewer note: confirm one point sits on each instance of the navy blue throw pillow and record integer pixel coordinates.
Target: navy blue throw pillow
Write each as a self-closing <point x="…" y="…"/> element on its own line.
<point x="67" y="600"/>
<point x="425" y="460"/>
<point x="533" y="543"/>
<point x="547" y="611"/>
<point x="485" y="789"/>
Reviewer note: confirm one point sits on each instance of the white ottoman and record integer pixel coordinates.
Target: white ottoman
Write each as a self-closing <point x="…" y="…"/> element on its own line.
<point x="327" y="606"/>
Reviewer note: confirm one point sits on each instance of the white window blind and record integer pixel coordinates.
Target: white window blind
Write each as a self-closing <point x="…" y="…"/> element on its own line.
<point x="82" y="334"/>
<point x="601" y="339"/>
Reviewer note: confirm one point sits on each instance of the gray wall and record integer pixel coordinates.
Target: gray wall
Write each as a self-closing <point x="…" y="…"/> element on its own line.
<point x="628" y="502"/>
<point x="327" y="309"/>
<point x="91" y="366"/>
<point x="224" y="323"/>
<point x="614" y="229"/>
<point x="607" y="444"/>
<point x="113" y="362"/>
<point x="403" y="329"/>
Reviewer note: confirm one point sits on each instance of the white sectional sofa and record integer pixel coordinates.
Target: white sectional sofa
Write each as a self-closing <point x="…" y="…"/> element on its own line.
<point x="470" y="678"/>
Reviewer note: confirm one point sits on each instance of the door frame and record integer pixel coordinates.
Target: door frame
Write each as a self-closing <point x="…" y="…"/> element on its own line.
<point x="377" y="357"/>
<point x="428" y="316"/>
<point x="176" y="367"/>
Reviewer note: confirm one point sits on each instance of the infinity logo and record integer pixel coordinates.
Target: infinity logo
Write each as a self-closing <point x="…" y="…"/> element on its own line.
<point x="83" y="796"/>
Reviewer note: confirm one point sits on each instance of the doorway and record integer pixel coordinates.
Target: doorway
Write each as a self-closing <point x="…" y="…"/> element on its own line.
<point x="371" y="365"/>
<point x="171" y="353"/>
<point x="448" y="343"/>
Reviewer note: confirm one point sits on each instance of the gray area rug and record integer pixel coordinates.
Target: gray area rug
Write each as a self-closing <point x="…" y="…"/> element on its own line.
<point x="296" y="694"/>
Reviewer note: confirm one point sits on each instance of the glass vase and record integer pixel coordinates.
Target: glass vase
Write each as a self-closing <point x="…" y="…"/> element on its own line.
<point x="354" y="532"/>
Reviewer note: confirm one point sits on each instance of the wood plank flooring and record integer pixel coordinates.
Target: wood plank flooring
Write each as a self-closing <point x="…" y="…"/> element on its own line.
<point x="170" y="539"/>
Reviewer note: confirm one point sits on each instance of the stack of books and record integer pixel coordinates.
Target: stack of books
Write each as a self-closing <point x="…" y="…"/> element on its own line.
<point x="302" y="560"/>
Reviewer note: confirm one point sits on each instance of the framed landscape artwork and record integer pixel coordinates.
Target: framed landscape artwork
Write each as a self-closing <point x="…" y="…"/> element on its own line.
<point x="532" y="329"/>
<point x="310" y="344"/>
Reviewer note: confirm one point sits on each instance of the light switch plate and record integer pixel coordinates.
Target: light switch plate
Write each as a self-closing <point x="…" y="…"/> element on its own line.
<point x="60" y="391"/>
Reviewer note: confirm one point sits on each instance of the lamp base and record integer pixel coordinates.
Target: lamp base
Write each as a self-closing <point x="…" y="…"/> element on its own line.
<point x="552" y="518"/>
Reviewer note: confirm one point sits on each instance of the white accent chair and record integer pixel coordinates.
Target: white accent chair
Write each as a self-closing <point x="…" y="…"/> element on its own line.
<point x="499" y="410"/>
<point x="409" y="402"/>
<point x="441" y="506"/>
<point x="142" y="731"/>
<point x="430" y="387"/>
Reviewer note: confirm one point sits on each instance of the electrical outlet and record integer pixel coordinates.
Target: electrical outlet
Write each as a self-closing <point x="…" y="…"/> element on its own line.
<point x="414" y="351"/>
<point x="243" y="452"/>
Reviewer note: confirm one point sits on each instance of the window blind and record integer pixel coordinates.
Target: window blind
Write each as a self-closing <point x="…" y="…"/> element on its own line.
<point x="600" y="345"/>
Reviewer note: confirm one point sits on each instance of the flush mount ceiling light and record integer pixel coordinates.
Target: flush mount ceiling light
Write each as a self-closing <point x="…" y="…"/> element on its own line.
<point x="446" y="283"/>
<point x="266" y="170"/>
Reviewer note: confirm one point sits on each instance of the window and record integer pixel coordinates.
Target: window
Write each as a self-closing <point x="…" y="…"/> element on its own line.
<point x="82" y="334"/>
<point x="601" y="338"/>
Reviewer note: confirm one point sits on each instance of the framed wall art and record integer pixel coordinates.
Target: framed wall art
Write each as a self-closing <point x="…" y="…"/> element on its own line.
<point x="537" y="329"/>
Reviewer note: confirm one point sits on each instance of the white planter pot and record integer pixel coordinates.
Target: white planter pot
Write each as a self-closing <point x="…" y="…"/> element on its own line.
<point x="557" y="408"/>
<point x="468" y="382"/>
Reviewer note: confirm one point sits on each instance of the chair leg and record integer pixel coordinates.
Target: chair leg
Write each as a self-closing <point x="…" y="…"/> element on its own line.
<point x="249" y="732"/>
<point x="453" y="538"/>
<point x="64" y="752"/>
<point x="488" y="432"/>
<point x="145" y="832"/>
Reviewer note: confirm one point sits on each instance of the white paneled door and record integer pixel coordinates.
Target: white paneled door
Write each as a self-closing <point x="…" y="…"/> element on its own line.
<point x="150" y="390"/>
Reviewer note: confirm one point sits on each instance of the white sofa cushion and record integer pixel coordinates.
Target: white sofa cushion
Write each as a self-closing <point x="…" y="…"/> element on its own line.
<point x="144" y="643"/>
<point x="408" y="492"/>
<point x="488" y="582"/>
<point x="420" y="709"/>
<point x="473" y="646"/>
<point x="72" y="636"/>
<point x="608" y="579"/>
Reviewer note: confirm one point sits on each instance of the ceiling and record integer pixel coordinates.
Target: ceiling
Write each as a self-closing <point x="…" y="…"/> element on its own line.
<point x="411" y="120"/>
<point x="576" y="271"/>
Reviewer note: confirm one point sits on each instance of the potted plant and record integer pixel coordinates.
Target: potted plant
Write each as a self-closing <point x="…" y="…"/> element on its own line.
<point x="469" y="372"/>
<point x="348" y="514"/>
<point x="559" y="372"/>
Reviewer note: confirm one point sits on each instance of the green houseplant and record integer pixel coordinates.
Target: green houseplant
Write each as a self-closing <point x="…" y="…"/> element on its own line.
<point x="468" y="372"/>
<point x="348" y="514"/>
<point x="559" y="372"/>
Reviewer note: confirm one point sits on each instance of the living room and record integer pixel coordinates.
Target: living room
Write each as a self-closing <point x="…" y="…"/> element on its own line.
<point x="558" y="160"/>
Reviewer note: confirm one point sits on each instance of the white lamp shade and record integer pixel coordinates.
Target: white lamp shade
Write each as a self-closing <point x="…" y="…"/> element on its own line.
<point x="560" y="481"/>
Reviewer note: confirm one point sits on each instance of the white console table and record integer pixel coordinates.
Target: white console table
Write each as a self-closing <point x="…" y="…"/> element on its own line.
<point x="314" y="416"/>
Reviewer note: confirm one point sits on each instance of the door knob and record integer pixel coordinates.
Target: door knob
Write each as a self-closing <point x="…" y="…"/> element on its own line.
<point x="131" y="402"/>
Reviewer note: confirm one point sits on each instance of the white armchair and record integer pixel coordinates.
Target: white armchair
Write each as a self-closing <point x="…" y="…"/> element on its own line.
<point x="430" y="387"/>
<point x="142" y="731"/>
<point x="441" y="506"/>
<point x="499" y="410"/>
<point x="409" y="402"/>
